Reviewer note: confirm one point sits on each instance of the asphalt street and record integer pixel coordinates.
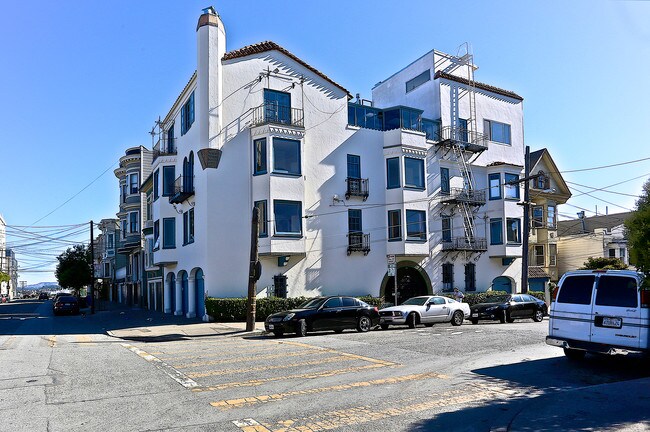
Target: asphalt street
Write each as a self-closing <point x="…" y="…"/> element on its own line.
<point x="165" y="373"/>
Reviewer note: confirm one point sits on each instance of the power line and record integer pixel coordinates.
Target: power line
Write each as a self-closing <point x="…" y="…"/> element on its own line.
<point x="605" y="166"/>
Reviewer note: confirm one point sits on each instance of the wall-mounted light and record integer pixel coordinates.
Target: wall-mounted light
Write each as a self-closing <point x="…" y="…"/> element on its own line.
<point x="283" y="261"/>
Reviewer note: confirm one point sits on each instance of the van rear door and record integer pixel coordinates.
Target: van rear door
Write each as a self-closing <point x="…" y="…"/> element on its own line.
<point x="617" y="314"/>
<point x="571" y="312"/>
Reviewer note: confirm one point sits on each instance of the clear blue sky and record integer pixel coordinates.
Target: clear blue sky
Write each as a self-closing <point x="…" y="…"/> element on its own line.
<point x="82" y="81"/>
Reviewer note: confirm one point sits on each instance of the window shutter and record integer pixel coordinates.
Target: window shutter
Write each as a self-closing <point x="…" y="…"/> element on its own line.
<point x="486" y="129"/>
<point x="183" y="120"/>
<point x="191" y="107"/>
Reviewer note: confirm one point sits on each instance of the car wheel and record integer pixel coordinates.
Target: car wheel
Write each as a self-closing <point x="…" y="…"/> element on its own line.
<point x="573" y="354"/>
<point x="539" y="316"/>
<point x="509" y="319"/>
<point x="428" y="325"/>
<point x="301" y="328"/>
<point x="384" y="326"/>
<point x="278" y="333"/>
<point x="338" y="331"/>
<point x="457" y="318"/>
<point x="363" y="324"/>
<point x="503" y="317"/>
<point x="474" y="321"/>
<point x="412" y="320"/>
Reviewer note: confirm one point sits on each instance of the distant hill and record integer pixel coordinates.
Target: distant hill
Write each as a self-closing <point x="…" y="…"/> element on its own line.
<point x="42" y="286"/>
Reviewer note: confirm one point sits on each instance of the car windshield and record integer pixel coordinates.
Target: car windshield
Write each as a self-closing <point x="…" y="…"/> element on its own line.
<point x="498" y="299"/>
<point x="417" y="301"/>
<point x="312" y="304"/>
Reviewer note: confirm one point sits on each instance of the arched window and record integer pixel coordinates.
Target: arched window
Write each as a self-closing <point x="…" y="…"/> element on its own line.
<point x="190" y="171"/>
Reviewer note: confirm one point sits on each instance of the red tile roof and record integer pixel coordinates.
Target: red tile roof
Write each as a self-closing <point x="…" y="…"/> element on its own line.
<point x="272" y="46"/>
<point x="482" y="86"/>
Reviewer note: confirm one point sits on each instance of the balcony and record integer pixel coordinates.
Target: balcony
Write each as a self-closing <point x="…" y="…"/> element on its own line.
<point x="469" y="140"/>
<point x="183" y="189"/>
<point x="358" y="242"/>
<point x="462" y="195"/>
<point x="357" y="187"/>
<point x="463" y="244"/>
<point x="164" y="147"/>
<point x="276" y="114"/>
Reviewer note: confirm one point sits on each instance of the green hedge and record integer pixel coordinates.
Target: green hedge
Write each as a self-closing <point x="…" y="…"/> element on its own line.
<point x="234" y="309"/>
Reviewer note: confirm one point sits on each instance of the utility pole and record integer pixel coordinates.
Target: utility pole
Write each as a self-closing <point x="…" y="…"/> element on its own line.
<point x="254" y="271"/>
<point x="526" y="230"/>
<point x="92" y="270"/>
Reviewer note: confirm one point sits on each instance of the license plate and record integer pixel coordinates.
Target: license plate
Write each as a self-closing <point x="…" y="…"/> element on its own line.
<point x="475" y="315"/>
<point x="612" y="322"/>
<point x="270" y="326"/>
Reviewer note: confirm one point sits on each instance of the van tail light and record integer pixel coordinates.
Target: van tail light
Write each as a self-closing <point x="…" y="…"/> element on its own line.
<point x="645" y="298"/>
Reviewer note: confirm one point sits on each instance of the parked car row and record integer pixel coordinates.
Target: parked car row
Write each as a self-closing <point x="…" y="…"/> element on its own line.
<point x="339" y="313"/>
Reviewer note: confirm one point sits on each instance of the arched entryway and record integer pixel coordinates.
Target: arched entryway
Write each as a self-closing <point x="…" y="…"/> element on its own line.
<point x="170" y="293"/>
<point x="412" y="281"/>
<point x="184" y="291"/>
<point x="502" y="283"/>
<point x="199" y="296"/>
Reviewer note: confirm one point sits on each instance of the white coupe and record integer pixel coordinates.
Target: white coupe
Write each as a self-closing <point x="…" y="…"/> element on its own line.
<point x="426" y="310"/>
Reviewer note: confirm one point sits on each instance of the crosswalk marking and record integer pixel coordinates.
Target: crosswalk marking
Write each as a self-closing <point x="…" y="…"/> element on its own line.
<point x="177" y="376"/>
<point x="84" y="339"/>
<point x="313" y="351"/>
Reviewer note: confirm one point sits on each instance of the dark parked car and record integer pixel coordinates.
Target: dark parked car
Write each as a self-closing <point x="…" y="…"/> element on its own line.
<point x="43" y="296"/>
<point x="324" y="313"/>
<point x="507" y="308"/>
<point x="66" y="305"/>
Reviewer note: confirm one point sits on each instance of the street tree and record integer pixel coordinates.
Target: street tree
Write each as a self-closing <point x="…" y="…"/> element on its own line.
<point x="4" y="277"/>
<point x="74" y="268"/>
<point x="601" y="263"/>
<point x="638" y="231"/>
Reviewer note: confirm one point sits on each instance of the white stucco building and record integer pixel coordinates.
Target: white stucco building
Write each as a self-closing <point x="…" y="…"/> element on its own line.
<point x="419" y="172"/>
<point x="8" y="263"/>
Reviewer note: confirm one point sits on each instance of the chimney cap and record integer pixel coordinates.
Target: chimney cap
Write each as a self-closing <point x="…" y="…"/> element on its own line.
<point x="209" y="10"/>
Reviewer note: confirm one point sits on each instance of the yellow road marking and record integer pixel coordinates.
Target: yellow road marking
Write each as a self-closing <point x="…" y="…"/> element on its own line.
<point x="354" y="356"/>
<point x="84" y="340"/>
<point x="51" y="341"/>
<point x="237" y="403"/>
<point x="363" y="414"/>
<point x="252" y="358"/>
<point x="261" y="381"/>
<point x="264" y="368"/>
<point x="177" y="376"/>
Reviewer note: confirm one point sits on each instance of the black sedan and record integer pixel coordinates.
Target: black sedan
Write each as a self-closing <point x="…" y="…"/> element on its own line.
<point x="66" y="305"/>
<point x="43" y="296"/>
<point x="507" y="308"/>
<point x="324" y="313"/>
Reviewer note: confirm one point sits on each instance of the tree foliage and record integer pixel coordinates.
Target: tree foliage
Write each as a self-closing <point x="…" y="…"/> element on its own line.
<point x="600" y="263"/>
<point x="4" y="277"/>
<point x="638" y="231"/>
<point x="74" y="268"/>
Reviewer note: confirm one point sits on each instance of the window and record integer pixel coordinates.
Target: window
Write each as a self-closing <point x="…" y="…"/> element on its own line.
<point x="446" y="229"/>
<point x="496" y="231"/>
<point x="110" y="242"/>
<point x="444" y="181"/>
<point x="169" y="233"/>
<point x="416" y="82"/>
<point x="123" y="192"/>
<point x="365" y="117"/>
<point x="621" y="253"/>
<point x="513" y="230"/>
<point x="511" y="190"/>
<point x="576" y="290"/>
<point x="354" y="166"/>
<point x="354" y="220"/>
<point x="447" y="276"/>
<point x="538" y="217"/>
<point x="169" y="174"/>
<point x="133" y="222"/>
<point x="155" y="184"/>
<point x="617" y="291"/>
<point x="612" y="253"/>
<point x="416" y="225"/>
<point x="277" y="106"/>
<point x="188" y="227"/>
<point x="550" y="216"/>
<point x="259" y="151"/>
<point x="107" y="270"/>
<point x="414" y="173"/>
<point x="187" y="114"/>
<point x="463" y="134"/>
<point x="494" y="182"/>
<point x="261" y="207"/>
<point x="287" y="216"/>
<point x="124" y="226"/>
<point x="542" y="181"/>
<point x="470" y="277"/>
<point x="133" y="184"/>
<point x="552" y="254"/>
<point x="334" y="302"/>
<point x="286" y="156"/>
<point x="498" y="132"/>
<point x="394" y="225"/>
<point x="188" y="173"/>
<point x="156" y="235"/>
<point x="538" y="257"/>
<point x="171" y="148"/>
<point x="392" y="173"/>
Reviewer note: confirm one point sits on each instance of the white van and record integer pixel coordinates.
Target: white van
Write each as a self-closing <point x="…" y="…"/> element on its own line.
<point x="601" y="311"/>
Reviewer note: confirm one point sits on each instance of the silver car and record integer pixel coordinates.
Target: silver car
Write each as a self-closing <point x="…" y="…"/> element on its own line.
<point x="426" y="310"/>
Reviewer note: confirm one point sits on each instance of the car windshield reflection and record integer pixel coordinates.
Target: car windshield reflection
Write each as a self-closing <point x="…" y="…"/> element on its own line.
<point x="416" y="301"/>
<point x="312" y="304"/>
<point x="499" y="299"/>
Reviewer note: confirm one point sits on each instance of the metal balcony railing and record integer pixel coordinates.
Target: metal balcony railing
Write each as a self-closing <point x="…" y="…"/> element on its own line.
<point x="183" y="189"/>
<point x="357" y="187"/>
<point x="462" y="195"/>
<point x="464" y="244"/>
<point x="471" y="140"/>
<point x="164" y="147"/>
<point x="358" y="242"/>
<point x="272" y="113"/>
